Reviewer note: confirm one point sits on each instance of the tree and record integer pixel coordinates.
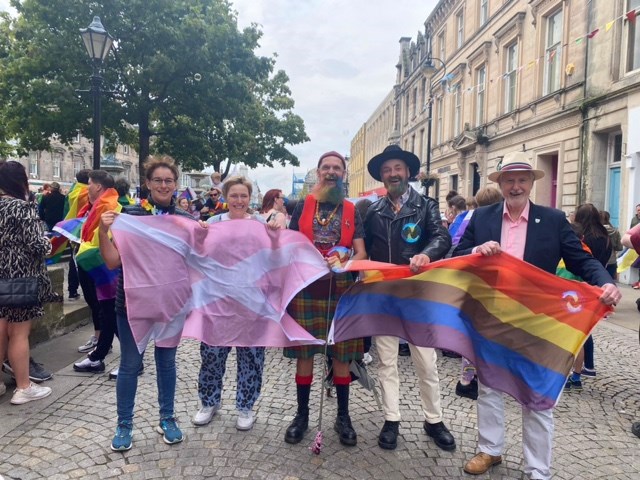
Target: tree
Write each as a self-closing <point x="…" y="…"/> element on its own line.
<point x="182" y="79"/>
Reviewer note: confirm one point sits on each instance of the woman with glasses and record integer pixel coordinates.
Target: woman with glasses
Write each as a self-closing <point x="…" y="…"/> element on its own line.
<point x="273" y="207"/>
<point x="161" y="174"/>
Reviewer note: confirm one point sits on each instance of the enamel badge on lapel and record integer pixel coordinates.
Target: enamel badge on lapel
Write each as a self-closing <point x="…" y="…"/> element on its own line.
<point x="411" y="232"/>
<point x="537" y="220"/>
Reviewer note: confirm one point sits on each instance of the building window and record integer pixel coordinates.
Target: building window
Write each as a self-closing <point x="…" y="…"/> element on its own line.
<point x="453" y="183"/>
<point x="439" y="121"/>
<point x="423" y="93"/>
<point x="125" y="149"/>
<point x="415" y="101"/>
<point x="57" y="164"/>
<point x="421" y="150"/>
<point x="78" y="164"/>
<point x="77" y="138"/>
<point x="460" y="28"/>
<point x="481" y="77"/>
<point x="457" y="109"/>
<point x="406" y="109"/>
<point x="413" y="143"/>
<point x="510" y="77"/>
<point x="553" y="52"/>
<point x="185" y="180"/>
<point x="633" y="38"/>
<point x="442" y="45"/>
<point x="484" y="12"/>
<point x="33" y="163"/>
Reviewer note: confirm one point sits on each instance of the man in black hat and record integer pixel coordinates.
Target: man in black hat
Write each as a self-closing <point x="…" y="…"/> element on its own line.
<point x="405" y="228"/>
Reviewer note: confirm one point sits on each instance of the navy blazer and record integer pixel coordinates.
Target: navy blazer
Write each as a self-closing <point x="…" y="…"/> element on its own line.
<point x="549" y="238"/>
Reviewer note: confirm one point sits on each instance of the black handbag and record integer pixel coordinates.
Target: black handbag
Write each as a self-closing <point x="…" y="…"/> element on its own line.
<point x="18" y="292"/>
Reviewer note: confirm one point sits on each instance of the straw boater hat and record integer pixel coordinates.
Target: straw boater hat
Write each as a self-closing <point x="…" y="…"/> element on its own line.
<point x="393" y="152"/>
<point x="515" y="162"/>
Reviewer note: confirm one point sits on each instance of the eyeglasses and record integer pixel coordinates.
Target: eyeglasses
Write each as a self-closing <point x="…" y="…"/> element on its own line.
<point x="169" y="182"/>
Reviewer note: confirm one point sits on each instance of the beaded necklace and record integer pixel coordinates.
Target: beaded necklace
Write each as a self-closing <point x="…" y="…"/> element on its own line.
<point x="325" y="221"/>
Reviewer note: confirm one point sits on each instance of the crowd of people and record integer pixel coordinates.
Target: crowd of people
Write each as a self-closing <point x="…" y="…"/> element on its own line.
<point x="404" y="228"/>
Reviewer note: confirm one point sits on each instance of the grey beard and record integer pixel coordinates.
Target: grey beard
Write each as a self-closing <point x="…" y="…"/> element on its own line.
<point x="397" y="190"/>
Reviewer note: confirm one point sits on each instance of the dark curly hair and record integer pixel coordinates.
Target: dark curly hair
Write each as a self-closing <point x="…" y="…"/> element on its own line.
<point x="14" y="180"/>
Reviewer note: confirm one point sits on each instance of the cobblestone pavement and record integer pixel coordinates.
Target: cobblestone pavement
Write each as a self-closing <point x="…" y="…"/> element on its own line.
<point x="68" y="434"/>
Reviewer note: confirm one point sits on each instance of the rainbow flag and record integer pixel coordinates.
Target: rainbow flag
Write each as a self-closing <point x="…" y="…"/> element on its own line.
<point x="76" y="199"/>
<point x="70" y="229"/>
<point x="521" y="326"/>
<point x="88" y="256"/>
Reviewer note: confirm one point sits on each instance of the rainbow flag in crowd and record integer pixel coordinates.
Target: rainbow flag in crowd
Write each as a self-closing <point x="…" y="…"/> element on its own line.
<point x="522" y="327"/>
<point x="77" y="198"/>
<point x="188" y="193"/>
<point x="88" y="256"/>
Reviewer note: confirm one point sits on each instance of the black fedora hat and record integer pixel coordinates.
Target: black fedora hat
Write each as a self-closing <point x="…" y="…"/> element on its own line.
<point x="393" y="152"/>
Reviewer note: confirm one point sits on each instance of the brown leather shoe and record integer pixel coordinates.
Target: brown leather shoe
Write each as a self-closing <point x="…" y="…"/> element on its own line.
<point x="481" y="463"/>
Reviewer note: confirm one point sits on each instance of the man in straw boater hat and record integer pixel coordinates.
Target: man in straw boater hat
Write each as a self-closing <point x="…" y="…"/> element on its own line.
<point x="540" y="236"/>
<point x="329" y="221"/>
<point x="404" y="228"/>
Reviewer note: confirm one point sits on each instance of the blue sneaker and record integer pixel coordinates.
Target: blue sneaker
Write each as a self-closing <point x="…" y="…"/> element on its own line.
<point x="122" y="440"/>
<point x="170" y="431"/>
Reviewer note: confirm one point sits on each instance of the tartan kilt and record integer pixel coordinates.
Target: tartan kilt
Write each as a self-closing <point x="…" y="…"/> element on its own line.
<point x="309" y="309"/>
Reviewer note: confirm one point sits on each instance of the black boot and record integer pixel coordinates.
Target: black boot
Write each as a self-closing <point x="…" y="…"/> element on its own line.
<point x="300" y="424"/>
<point x="343" y="425"/>
<point x="388" y="438"/>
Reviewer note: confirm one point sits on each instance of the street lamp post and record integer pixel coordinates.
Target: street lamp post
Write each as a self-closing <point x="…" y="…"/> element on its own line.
<point x="428" y="66"/>
<point x="98" y="43"/>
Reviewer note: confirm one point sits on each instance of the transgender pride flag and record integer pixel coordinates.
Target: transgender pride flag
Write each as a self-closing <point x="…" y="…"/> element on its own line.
<point x="226" y="285"/>
<point x="520" y="326"/>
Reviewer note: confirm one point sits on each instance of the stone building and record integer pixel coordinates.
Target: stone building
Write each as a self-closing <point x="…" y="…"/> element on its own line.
<point x="555" y="78"/>
<point x="62" y="162"/>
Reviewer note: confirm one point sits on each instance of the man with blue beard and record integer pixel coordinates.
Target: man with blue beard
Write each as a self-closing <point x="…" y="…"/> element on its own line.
<point x="327" y="220"/>
<point x="404" y="228"/>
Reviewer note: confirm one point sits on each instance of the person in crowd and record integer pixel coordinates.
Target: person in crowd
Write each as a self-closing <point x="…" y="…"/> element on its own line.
<point x="596" y="237"/>
<point x="184" y="204"/>
<point x="23" y="247"/>
<point x="450" y="213"/>
<point x="540" y="236"/>
<point x="458" y="206"/>
<point x="328" y="220"/>
<point x="471" y="203"/>
<point x="99" y="182"/>
<point x="51" y="208"/>
<point x="42" y="192"/>
<point x="631" y="239"/>
<point x="161" y="175"/>
<point x="77" y="199"/>
<point x="216" y="180"/>
<point x="273" y="207"/>
<point x="467" y="386"/>
<point x="404" y="228"/>
<point x="616" y="243"/>
<point x="636" y="218"/>
<point x="123" y="187"/>
<point x="214" y="204"/>
<point x="237" y="190"/>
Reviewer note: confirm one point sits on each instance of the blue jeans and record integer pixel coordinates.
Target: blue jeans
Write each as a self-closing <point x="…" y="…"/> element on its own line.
<point x="130" y="363"/>
<point x="249" y="375"/>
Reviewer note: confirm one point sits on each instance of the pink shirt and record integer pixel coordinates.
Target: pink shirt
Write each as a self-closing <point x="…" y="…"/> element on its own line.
<point x="514" y="232"/>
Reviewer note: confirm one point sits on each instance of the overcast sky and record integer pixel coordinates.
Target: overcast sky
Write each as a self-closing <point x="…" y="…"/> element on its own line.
<point x="340" y="56"/>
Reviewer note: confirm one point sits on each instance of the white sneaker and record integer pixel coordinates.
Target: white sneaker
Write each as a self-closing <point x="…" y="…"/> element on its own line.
<point x="90" y="345"/>
<point x="113" y="374"/>
<point x="3" y="388"/>
<point x="245" y="421"/>
<point x="33" y="392"/>
<point x="204" y="415"/>
<point x="367" y="359"/>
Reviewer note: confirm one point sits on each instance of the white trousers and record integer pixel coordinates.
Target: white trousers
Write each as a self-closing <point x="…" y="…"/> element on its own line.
<point x="537" y="432"/>
<point x="424" y="360"/>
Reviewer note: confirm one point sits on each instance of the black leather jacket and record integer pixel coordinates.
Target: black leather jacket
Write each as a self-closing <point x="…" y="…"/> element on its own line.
<point x="391" y="238"/>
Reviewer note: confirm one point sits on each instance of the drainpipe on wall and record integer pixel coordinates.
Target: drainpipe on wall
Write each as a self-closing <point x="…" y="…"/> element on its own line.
<point x="583" y="161"/>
